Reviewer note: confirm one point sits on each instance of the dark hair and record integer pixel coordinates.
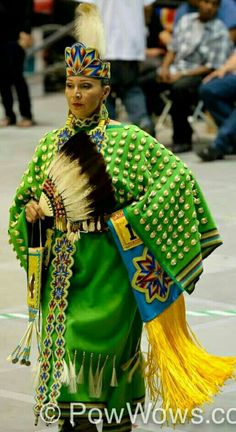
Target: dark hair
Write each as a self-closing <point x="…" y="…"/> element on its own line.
<point x="218" y="2"/>
<point x="105" y="81"/>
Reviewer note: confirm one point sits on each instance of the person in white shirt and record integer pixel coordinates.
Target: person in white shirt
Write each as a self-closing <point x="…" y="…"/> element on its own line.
<point x="124" y="23"/>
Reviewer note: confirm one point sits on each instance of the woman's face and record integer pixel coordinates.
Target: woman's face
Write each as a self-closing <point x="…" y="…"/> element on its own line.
<point x="85" y="95"/>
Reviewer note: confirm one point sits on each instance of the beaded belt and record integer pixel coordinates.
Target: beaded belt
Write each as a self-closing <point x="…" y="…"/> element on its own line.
<point x="97" y="224"/>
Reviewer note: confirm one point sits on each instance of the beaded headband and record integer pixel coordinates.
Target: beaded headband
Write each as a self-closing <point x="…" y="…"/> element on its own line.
<point x="86" y="56"/>
<point x="81" y="60"/>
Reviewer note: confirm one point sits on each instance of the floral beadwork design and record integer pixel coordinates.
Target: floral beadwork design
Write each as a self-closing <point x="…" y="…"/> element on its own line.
<point x="99" y="137"/>
<point x="64" y="135"/>
<point x="150" y="278"/>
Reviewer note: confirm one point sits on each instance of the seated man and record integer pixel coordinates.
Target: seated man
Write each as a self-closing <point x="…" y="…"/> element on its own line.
<point x="200" y="44"/>
<point x="226" y="13"/>
<point x="218" y="92"/>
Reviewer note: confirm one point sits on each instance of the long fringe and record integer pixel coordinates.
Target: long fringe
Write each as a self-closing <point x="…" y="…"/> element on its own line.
<point x="114" y="381"/>
<point x="99" y="377"/>
<point x="36" y="373"/>
<point x="92" y="391"/>
<point x="80" y="376"/>
<point x="22" y="351"/>
<point x="72" y="374"/>
<point x="178" y="369"/>
<point x="65" y="376"/>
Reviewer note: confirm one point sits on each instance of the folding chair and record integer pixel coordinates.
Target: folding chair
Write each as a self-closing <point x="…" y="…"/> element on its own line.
<point x="165" y="112"/>
<point x="198" y="114"/>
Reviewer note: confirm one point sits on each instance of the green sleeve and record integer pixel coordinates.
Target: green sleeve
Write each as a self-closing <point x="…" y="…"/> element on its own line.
<point x="30" y="188"/>
<point x="171" y="215"/>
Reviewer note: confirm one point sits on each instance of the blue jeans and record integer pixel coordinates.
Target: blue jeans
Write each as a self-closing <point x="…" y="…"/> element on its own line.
<point x="124" y="84"/>
<point x="219" y="97"/>
<point x="135" y="105"/>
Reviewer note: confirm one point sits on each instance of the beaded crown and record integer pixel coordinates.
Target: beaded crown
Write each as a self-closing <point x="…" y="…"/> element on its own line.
<point x="81" y="60"/>
<point x="86" y="56"/>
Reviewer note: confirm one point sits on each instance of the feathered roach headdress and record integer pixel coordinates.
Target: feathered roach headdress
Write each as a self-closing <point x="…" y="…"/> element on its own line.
<point x="85" y="56"/>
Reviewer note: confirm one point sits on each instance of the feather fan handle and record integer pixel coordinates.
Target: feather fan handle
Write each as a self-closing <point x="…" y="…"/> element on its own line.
<point x="89" y="28"/>
<point x="46" y="205"/>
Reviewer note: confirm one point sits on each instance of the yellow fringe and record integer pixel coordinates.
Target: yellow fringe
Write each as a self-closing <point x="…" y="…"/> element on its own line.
<point x="178" y="369"/>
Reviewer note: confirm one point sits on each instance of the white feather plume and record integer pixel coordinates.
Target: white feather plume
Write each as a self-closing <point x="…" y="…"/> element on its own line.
<point x="89" y="28"/>
<point x="73" y="187"/>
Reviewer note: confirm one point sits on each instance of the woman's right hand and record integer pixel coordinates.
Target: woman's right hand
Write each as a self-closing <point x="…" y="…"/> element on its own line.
<point x="33" y="212"/>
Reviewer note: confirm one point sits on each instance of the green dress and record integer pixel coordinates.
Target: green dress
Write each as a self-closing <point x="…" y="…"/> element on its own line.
<point x="96" y="329"/>
<point x="103" y="327"/>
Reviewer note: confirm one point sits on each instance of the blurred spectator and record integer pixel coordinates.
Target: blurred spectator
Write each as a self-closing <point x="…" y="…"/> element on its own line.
<point x="218" y="92"/>
<point x="16" y="39"/>
<point x="50" y="16"/>
<point x="125" y="30"/>
<point x="200" y="44"/>
<point x="43" y="11"/>
<point x="43" y="6"/>
<point x="226" y="13"/>
<point x="160" y="26"/>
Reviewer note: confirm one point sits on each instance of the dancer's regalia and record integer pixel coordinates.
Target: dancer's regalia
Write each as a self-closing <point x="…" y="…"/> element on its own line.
<point x="129" y="231"/>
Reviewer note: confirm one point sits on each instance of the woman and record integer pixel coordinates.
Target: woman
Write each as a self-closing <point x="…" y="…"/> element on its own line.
<point x="102" y="182"/>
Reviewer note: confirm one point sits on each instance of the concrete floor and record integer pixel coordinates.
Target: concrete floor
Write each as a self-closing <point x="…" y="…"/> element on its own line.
<point x="211" y="309"/>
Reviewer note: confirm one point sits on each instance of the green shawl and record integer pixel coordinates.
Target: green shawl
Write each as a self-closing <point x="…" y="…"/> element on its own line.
<point x="162" y="200"/>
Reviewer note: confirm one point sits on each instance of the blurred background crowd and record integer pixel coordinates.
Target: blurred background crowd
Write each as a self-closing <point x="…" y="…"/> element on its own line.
<point x="173" y="65"/>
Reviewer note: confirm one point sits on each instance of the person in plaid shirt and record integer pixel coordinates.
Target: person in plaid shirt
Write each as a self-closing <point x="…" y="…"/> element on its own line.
<point x="200" y="44"/>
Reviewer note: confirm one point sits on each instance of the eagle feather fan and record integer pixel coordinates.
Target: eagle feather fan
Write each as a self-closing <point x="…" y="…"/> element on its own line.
<point x="77" y="185"/>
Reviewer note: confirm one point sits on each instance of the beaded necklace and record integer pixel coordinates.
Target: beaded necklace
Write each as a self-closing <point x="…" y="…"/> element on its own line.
<point x="97" y="134"/>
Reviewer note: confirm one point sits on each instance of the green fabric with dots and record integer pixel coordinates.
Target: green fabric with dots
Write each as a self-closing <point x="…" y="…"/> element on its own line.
<point x="165" y="207"/>
<point x="162" y="200"/>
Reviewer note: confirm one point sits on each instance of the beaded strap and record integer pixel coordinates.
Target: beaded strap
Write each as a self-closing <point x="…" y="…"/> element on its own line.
<point x="55" y="323"/>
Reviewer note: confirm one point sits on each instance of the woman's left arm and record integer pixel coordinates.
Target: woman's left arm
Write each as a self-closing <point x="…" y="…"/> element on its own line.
<point x="171" y="216"/>
<point x="29" y="189"/>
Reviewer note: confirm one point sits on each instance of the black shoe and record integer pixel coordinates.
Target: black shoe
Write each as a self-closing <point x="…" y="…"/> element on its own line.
<point x="181" y="148"/>
<point x="209" y="154"/>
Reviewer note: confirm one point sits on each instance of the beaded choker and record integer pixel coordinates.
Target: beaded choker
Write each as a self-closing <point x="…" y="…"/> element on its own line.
<point x="98" y="120"/>
<point x="90" y="121"/>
